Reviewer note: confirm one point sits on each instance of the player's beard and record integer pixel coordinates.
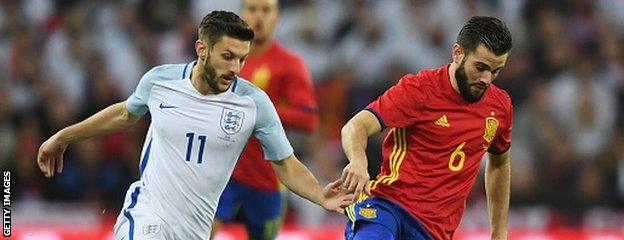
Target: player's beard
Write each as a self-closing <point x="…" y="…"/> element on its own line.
<point x="210" y="76"/>
<point x="464" y="86"/>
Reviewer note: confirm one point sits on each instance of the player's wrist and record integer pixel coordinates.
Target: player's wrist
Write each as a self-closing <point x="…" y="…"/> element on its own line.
<point x="499" y="234"/>
<point x="62" y="137"/>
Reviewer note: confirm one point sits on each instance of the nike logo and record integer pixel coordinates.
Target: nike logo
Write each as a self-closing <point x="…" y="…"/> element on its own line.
<point x="163" y="106"/>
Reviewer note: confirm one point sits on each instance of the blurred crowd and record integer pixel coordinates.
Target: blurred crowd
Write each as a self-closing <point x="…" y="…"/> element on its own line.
<point x="63" y="60"/>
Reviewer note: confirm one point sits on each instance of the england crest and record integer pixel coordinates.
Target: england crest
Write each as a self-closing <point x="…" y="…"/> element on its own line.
<point x="231" y="120"/>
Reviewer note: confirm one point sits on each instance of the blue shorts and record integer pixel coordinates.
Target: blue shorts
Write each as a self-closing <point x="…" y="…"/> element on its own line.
<point x="262" y="211"/>
<point x="374" y="215"/>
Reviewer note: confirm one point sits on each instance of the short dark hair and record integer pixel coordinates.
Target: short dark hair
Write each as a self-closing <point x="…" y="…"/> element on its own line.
<point x="223" y="23"/>
<point x="489" y="31"/>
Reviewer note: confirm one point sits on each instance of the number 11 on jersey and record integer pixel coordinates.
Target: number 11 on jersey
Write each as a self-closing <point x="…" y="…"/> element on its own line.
<point x="189" y="146"/>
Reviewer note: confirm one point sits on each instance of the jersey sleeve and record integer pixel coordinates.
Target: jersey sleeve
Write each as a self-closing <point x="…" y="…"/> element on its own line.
<point x="502" y="142"/>
<point x="399" y="105"/>
<point x="269" y="131"/>
<point x="300" y="108"/>
<point x="137" y="102"/>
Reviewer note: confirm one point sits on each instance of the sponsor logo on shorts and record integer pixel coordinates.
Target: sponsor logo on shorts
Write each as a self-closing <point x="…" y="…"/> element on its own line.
<point x="368" y="212"/>
<point x="151" y="230"/>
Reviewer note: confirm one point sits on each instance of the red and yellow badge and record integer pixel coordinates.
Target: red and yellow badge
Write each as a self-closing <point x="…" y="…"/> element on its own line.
<point x="491" y="125"/>
<point x="368" y="212"/>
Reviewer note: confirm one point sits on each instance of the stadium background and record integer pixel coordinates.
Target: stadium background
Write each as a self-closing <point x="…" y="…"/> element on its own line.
<point x="63" y="60"/>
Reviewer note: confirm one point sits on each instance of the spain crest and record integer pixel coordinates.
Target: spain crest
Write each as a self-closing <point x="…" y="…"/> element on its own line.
<point x="491" y="125"/>
<point x="231" y="120"/>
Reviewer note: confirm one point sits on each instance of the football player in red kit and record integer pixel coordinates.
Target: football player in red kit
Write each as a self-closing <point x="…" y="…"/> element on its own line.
<point x="442" y="122"/>
<point x="254" y="190"/>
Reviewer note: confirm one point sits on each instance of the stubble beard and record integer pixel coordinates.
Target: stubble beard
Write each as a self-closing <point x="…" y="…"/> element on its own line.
<point x="464" y="86"/>
<point x="210" y="77"/>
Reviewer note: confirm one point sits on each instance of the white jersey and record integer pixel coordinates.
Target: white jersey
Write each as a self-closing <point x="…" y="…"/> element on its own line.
<point x="192" y="146"/>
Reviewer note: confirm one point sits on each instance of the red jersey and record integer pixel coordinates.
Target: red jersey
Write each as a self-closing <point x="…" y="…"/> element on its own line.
<point x="432" y="154"/>
<point x="284" y="77"/>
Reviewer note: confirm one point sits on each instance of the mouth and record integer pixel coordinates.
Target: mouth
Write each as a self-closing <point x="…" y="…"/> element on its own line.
<point x="228" y="79"/>
<point x="480" y="87"/>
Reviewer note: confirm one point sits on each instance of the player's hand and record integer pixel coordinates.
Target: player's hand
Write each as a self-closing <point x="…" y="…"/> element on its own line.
<point x="50" y="156"/>
<point x="355" y="178"/>
<point x="335" y="197"/>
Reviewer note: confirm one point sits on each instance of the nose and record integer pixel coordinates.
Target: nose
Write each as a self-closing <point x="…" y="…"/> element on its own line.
<point x="487" y="77"/>
<point x="235" y="67"/>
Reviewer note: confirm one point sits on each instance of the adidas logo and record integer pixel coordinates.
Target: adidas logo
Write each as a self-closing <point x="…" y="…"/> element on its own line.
<point x="442" y="121"/>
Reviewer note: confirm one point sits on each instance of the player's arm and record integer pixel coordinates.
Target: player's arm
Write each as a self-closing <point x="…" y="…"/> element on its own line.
<point x="111" y="119"/>
<point x="497" y="188"/>
<point x="300" y="109"/>
<point x="296" y="176"/>
<point x="354" y="139"/>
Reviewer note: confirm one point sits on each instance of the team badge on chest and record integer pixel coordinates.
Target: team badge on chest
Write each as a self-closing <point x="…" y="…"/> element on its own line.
<point x="491" y="125"/>
<point x="231" y="120"/>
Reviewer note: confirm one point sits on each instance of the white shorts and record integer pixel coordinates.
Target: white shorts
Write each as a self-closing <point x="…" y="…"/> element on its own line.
<point x="136" y="221"/>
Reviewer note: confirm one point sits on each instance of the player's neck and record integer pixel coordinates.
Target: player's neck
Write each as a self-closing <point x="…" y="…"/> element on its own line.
<point x="451" y="73"/>
<point x="260" y="47"/>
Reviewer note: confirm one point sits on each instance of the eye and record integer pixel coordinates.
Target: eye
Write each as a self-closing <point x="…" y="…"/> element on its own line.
<point x="227" y="57"/>
<point x="480" y="68"/>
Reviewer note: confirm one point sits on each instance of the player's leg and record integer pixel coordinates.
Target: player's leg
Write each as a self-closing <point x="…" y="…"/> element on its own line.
<point x="372" y="231"/>
<point x="229" y="205"/>
<point x="372" y="218"/>
<point x="263" y="213"/>
<point x="411" y="228"/>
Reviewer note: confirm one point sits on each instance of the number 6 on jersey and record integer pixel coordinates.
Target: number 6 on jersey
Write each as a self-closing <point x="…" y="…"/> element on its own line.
<point x="462" y="157"/>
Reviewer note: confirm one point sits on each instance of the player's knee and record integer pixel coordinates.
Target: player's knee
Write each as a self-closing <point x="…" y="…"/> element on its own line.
<point x="372" y="231"/>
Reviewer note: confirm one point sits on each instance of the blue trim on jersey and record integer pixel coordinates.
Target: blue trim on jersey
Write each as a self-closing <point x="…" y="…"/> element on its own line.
<point x="378" y="116"/>
<point x="234" y="84"/>
<point x="134" y="197"/>
<point x="145" y="157"/>
<point x="131" y="220"/>
<point x="184" y="72"/>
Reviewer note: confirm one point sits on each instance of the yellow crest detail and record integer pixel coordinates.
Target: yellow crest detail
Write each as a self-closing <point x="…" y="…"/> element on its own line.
<point x="368" y="212"/>
<point x="443" y="121"/>
<point x="491" y="125"/>
<point x="261" y="77"/>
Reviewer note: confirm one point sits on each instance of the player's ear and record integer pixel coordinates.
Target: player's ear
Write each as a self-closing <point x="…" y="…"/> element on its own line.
<point x="200" y="49"/>
<point x="458" y="53"/>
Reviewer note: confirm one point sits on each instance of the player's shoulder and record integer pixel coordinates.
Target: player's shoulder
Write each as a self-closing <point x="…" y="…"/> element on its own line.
<point x="425" y="79"/>
<point x="168" y="72"/>
<point x="500" y="94"/>
<point x="500" y="97"/>
<point x="242" y="87"/>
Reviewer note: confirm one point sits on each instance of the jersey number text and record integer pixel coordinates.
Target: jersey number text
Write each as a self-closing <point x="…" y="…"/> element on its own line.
<point x="457" y="165"/>
<point x="189" y="146"/>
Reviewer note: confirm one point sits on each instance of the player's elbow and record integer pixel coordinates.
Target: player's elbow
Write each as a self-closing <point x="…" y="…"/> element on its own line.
<point x="125" y="116"/>
<point x="348" y="129"/>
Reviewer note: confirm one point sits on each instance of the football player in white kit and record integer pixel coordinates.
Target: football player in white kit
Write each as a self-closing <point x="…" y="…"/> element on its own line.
<point x="202" y="115"/>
